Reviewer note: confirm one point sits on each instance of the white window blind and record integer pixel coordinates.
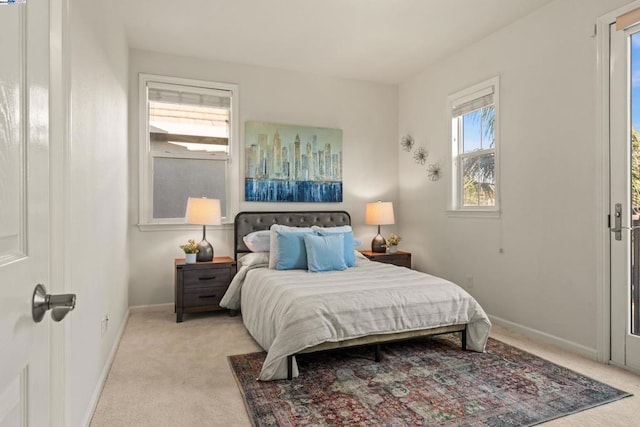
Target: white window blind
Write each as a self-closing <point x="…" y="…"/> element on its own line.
<point x="472" y="102"/>
<point x="212" y="98"/>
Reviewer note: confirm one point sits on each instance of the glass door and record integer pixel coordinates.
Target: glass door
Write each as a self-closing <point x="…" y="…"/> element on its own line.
<point x="625" y="195"/>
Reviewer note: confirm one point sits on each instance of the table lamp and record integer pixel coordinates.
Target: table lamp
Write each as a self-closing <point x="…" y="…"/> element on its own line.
<point x="379" y="213"/>
<point x="203" y="211"/>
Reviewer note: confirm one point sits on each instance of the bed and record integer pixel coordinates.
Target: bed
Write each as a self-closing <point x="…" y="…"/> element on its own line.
<point x="295" y="311"/>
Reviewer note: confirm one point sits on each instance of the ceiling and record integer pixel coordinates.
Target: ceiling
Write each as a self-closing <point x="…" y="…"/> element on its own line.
<point x="382" y="41"/>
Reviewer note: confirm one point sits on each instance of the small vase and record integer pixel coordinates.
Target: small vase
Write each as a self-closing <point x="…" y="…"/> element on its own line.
<point x="392" y="249"/>
<point x="190" y="258"/>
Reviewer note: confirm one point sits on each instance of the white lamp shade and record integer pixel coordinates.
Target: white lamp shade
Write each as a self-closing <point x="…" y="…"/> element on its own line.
<point x="379" y="213"/>
<point x="203" y="211"/>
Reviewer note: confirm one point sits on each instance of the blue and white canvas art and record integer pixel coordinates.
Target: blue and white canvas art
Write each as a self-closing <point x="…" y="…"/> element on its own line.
<point x="285" y="163"/>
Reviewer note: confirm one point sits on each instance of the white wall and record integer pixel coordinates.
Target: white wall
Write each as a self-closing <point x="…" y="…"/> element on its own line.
<point x="97" y="190"/>
<point x="366" y="112"/>
<point x="546" y="279"/>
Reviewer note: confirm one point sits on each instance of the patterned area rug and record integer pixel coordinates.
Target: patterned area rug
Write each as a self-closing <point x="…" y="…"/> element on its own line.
<point x="418" y="383"/>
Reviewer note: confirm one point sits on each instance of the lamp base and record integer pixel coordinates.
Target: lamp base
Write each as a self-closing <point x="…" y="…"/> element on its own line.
<point x="205" y="251"/>
<point x="378" y="244"/>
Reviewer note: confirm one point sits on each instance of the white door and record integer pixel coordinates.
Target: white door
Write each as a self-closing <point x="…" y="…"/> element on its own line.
<point x="624" y="107"/>
<point x="24" y="209"/>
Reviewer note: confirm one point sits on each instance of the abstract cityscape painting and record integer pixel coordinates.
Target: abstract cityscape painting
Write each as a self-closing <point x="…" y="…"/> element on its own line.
<point x="285" y="163"/>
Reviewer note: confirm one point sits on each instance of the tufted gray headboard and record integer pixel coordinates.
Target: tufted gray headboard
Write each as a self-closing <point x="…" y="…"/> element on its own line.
<point x="247" y="222"/>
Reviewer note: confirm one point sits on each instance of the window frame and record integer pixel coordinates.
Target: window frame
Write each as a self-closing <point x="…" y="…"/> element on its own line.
<point x="456" y="205"/>
<point x="232" y="170"/>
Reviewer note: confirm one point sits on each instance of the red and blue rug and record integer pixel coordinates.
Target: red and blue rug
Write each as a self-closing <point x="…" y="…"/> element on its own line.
<point x="418" y="383"/>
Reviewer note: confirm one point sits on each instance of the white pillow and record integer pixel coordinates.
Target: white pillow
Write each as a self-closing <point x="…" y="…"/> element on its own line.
<point x="258" y="241"/>
<point x="254" y="258"/>
<point x="273" y="242"/>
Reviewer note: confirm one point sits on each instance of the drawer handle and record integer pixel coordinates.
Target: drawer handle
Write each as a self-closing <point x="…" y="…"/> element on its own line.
<point x="207" y="278"/>
<point x="207" y="296"/>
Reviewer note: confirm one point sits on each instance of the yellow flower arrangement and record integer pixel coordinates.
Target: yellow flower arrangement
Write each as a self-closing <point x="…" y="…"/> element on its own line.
<point x="191" y="247"/>
<point x="393" y="240"/>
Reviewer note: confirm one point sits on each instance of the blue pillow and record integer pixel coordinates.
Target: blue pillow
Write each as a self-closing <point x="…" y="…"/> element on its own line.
<point x="291" y="250"/>
<point x="325" y="253"/>
<point x="349" y="254"/>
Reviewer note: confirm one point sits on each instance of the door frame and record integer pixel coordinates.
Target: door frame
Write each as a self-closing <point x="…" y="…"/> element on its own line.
<point x="59" y="172"/>
<point x="603" y="267"/>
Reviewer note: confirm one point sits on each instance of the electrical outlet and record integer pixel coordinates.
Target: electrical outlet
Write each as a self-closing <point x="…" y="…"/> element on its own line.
<point x="104" y="325"/>
<point x="468" y="282"/>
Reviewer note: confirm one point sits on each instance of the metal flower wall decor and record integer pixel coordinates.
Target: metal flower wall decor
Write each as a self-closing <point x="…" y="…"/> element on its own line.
<point x="407" y="143"/>
<point x="420" y="156"/>
<point x="433" y="171"/>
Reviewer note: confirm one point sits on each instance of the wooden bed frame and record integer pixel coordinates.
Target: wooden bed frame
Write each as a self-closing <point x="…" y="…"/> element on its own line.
<point x="247" y="222"/>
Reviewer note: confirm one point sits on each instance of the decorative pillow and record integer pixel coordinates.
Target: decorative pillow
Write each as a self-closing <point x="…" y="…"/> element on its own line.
<point x="273" y="242"/>
<point x="292" y="254"/>
<point x="357" y="242"/>
<point x="349" y="252"/>
<point x="325" y="253"/>
<point x="254" y="258"/>
<point x="340" y="229"/>
<point x="258" y="241"/>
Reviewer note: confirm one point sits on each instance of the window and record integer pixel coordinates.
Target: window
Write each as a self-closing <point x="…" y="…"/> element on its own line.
<point x="188" y="135"/>
<point x="474" y="139"/>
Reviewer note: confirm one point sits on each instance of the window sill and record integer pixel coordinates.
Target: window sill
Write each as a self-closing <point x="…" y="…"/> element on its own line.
<point x="473" y="213"/>
<point x="182" y="227"/>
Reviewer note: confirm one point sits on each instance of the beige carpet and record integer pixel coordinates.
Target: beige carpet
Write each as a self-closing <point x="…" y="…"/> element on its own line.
<point x="177" y="374"/>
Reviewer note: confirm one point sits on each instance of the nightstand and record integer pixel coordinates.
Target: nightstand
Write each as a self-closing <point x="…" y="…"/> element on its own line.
<point x="201" y="286"/>
<point x="400" y="258"/>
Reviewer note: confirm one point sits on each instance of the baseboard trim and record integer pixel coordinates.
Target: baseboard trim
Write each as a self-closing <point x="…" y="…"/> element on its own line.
<point x="590" y="353"/>
<point x="151" y="307"/>
<point x="93" y="404"/>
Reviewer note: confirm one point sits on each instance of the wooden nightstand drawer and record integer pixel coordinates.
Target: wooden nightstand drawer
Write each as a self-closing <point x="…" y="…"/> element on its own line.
<point x="400" y="258"/>
<point x="201" y="286"/>
<point x="208" y="295"/>
<point x="206" y="277"/>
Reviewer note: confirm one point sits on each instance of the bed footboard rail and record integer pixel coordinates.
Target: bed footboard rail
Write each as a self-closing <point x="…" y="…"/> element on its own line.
<point x="377" y="340"/>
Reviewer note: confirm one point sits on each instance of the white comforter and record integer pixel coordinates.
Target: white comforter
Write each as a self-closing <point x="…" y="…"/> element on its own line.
<point x="288" y="311"/>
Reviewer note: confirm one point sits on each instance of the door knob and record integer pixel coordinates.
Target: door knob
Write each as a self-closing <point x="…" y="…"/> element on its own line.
<point x="60" y="305"/>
